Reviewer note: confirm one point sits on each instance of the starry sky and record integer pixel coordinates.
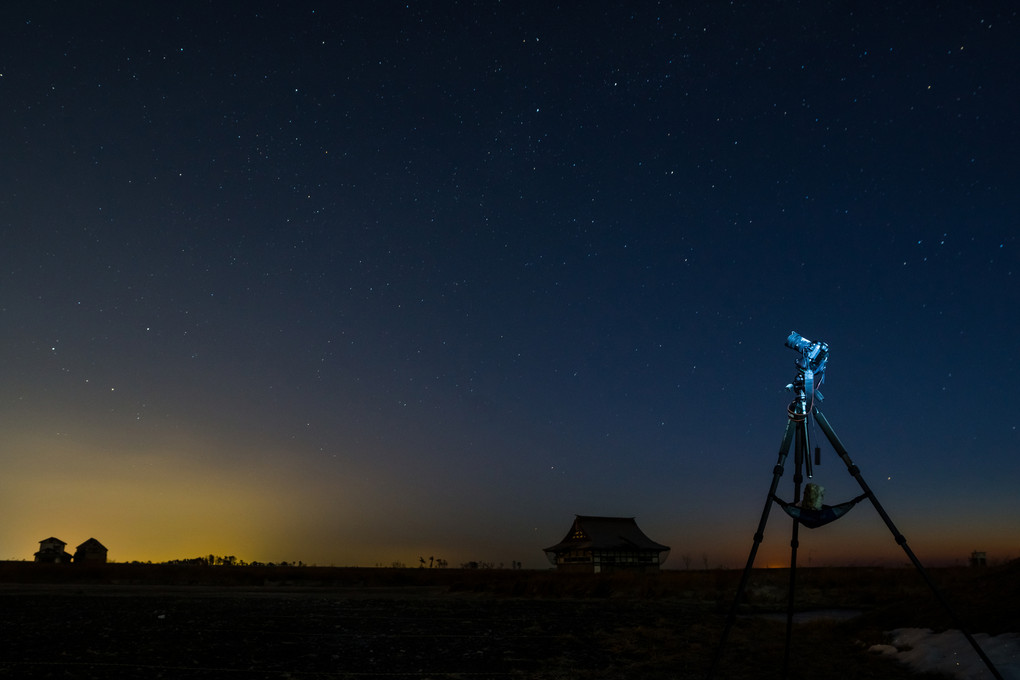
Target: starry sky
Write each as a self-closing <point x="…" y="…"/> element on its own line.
<point x="354" y="283"/>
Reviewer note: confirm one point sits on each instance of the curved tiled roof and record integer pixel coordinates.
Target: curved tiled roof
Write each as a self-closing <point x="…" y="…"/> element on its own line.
<point x="605" y="533"/>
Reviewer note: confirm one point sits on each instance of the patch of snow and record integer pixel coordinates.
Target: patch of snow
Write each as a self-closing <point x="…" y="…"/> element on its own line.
<point x="949" y="652"/>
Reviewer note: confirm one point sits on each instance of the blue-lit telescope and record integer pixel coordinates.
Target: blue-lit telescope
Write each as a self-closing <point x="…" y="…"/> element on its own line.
<point x="813" y="354"/>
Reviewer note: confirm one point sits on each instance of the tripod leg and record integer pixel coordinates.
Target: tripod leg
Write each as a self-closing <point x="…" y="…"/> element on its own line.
<point x="856" y="472"/>
<point x="801" y="454"/>
<point x="759" y="535"/>
<point x="790" y="601"/>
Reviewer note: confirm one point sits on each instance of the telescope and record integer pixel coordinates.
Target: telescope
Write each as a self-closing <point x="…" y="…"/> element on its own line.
<point x="813" y="354"/>
<point x="810" y="370"/>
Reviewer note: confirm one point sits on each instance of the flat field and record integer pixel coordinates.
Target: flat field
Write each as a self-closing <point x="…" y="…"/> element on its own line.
<point x="154" y="621"/>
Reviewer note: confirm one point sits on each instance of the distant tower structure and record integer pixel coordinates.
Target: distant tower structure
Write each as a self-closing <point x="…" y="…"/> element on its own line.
<point x="51" y="551"/>
<point x="978" y="559"/>
<point x="90" y="552"/>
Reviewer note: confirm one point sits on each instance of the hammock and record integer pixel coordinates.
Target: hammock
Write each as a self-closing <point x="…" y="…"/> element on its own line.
<point x="812" y="518"/>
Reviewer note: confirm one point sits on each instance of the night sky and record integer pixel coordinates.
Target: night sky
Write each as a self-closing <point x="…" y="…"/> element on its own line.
<point x="354" y="283"/>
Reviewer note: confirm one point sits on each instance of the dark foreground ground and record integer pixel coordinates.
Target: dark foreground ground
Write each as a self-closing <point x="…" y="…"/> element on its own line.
<point x="222" y="622"/>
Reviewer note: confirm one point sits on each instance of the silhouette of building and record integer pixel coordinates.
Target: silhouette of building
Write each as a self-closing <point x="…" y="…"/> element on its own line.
<point x="51" y="551"/>
<point x="602" y="544"/>
<point x="978" y="559"/>
<point x="90" y="552"/>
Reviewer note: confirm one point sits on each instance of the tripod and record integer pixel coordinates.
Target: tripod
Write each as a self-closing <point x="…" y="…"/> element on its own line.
<point x="811" y="366"/>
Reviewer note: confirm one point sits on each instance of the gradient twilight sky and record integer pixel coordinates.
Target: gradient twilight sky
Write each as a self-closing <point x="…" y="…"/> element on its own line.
<point x="354" y="283"/>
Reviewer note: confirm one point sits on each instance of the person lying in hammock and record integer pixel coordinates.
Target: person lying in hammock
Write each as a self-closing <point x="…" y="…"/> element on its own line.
<point x="811" y="512"/>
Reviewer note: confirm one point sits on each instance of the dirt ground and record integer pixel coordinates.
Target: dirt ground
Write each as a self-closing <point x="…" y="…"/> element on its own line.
<point x="477" y="629"/>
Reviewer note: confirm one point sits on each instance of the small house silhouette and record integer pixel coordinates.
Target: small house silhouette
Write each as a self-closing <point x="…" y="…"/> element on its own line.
<point x="90" y="552"/>
<point x="51" y="551"/>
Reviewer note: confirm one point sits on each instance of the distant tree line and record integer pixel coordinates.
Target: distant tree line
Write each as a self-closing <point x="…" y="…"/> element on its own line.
<point x="440" y="563"/>
<point x="230" y="561"/>
<point x="490" y="565"/>
<point x="430" y="562"/>
<point x="437" y="562"/>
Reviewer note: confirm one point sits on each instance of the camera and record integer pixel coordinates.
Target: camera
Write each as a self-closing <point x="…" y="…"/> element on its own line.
<point x="813" y="354"/>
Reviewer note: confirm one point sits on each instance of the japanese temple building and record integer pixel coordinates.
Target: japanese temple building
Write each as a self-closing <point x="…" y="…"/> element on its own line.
<point x="601" y="544"/>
